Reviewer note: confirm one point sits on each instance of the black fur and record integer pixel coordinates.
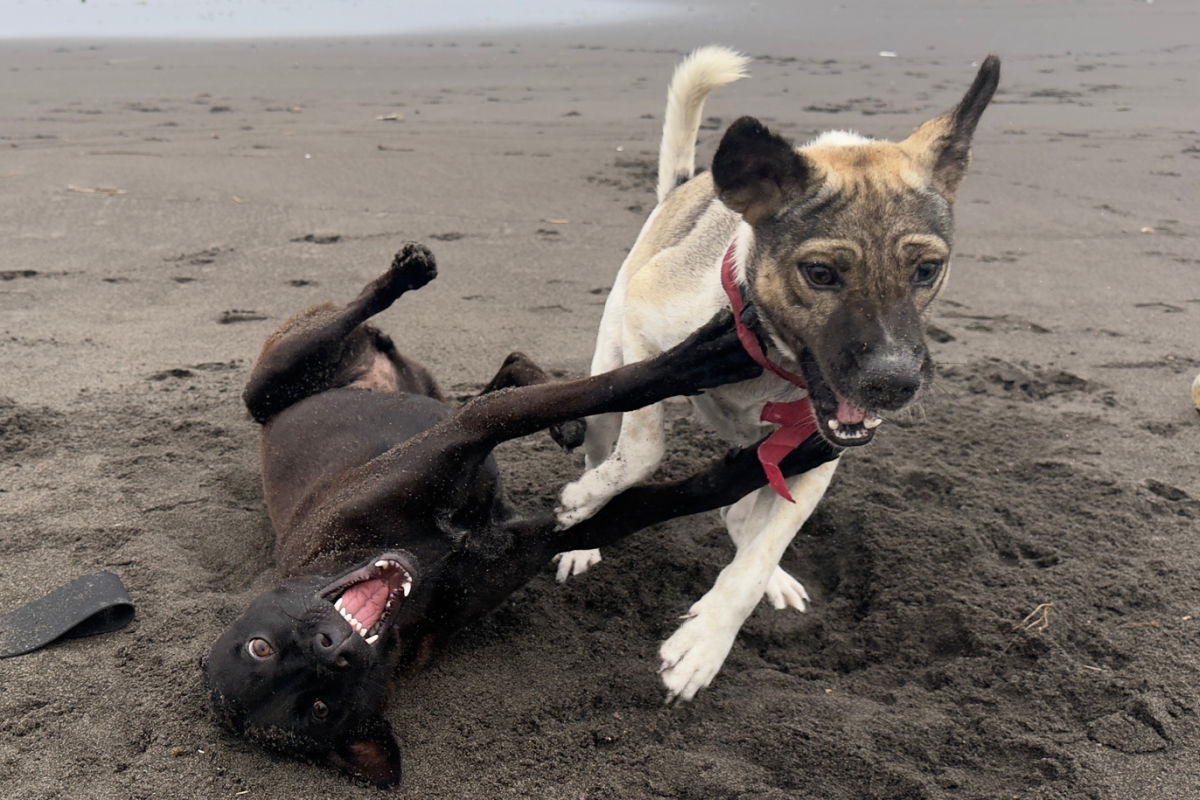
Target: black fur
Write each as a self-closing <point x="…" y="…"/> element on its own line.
<point x="755" y="171"/>
<point x="386" y="487"/>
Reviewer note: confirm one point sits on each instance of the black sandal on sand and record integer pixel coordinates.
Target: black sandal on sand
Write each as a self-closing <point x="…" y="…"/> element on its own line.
<point x="86" y="606"/>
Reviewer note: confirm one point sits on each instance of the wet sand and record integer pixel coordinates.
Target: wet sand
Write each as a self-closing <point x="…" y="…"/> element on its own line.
<point x="165" y="205"/>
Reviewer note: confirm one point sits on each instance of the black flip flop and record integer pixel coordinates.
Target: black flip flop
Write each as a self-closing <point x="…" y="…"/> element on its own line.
<point x="86" y="606"/>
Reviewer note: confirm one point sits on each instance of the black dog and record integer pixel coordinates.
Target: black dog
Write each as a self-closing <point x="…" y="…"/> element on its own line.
<point x="392" y="530"/>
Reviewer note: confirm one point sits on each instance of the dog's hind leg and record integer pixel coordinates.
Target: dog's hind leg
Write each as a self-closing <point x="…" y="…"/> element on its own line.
<point x="601" y="435"/>
<point x="639" y="448"/>
<point x="306" y="355"/>
<point x="520" y="370"/>
<point x="603" y="429"/>
<point x="694" y="654"/>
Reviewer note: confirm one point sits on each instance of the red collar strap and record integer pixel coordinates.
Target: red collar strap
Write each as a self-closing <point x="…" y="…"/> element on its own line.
<point x="795" y="418"/>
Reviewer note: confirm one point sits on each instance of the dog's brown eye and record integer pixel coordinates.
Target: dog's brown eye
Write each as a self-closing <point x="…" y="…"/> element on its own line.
<point x="259" y="648"/>
<point x="820" y="276"/>
<point x="320" y="710"/>
<point x="926" y="273"/>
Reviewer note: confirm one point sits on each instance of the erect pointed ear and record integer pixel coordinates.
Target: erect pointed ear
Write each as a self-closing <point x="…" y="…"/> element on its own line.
<point x="943" y="144"/>
<point x="757" y="172"/>
<point x="371" y="752"/>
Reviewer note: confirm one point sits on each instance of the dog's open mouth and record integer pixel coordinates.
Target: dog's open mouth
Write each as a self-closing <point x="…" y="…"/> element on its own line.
<point x="369" y="597"/>
<point x="839" y="419"/>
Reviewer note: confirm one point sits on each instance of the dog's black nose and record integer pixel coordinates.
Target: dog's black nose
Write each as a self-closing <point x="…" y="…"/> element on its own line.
<point x="333" y="650"/>
<point x="889" y="381"/>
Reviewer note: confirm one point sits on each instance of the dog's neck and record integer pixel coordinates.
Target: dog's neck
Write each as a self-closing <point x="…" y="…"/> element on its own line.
<point x="735" y="286"/>
<point x="795" y="418"/>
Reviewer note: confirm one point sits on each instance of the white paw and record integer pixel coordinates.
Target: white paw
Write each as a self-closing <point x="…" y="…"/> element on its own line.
<point x="575" y="562"/>
<point x="784" y="591"/>
<point x="694" y="654"/>
<point x="577" y="502"/>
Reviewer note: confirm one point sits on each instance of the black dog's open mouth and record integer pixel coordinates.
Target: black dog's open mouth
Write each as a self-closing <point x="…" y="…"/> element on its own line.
<point x="369" y="597"/>
<point x="839" y="419"/>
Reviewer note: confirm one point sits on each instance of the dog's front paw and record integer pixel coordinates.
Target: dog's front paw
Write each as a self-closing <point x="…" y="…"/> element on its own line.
<point x="412" y="267"/>
<point x="575" y="562"/>
<point x="784" y="591"/>
<point x="693" y="655"/>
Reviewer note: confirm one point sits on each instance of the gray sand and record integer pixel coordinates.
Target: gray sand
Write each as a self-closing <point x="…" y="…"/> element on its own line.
<point x="164" y="205"/>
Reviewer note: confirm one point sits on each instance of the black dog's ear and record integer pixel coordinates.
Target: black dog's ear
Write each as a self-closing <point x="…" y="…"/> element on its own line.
<point x="943" y="144"/>
<point x="755" y="171"/>
<point x="371" y="752"/>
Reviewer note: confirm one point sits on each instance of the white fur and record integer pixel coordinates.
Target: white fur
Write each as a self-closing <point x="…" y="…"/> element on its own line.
<point x="838" y="139"/>
<point x="704" y="70"/>
<point x="657" y="300"/>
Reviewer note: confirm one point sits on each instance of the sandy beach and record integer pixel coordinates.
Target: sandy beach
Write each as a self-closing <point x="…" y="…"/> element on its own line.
<point x="1005" y="582"/>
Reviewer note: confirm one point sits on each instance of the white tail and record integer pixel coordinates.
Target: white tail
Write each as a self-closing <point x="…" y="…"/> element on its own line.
<point x="704" y="70"/>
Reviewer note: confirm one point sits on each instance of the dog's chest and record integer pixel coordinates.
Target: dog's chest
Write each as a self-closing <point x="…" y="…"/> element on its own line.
<point x="733" y="411"/>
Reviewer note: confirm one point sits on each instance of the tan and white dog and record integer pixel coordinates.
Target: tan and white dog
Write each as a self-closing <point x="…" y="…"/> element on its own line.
<point x="841" y="246"/>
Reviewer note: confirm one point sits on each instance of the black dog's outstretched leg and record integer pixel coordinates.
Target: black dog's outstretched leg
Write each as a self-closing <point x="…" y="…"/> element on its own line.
<point x="520" y="370"/>
<point x="303" y="357"/>
<point x="532" y="542"/>
<point x="709" y="357"/>
<point x="712" y="356"/>
<point x="721" y="484"/>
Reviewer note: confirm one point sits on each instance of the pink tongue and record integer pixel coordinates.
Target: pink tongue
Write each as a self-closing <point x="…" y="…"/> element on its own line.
<point x="365" y="601"/>
<point x="848" y="413"/>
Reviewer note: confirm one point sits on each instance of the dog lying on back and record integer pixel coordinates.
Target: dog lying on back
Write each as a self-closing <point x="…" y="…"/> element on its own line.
<point x="842" y="246"/>
<point x="392" y="531"/>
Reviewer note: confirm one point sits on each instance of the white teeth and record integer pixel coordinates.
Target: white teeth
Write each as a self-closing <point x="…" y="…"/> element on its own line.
<point x="338" y="604"/>
<point x="833" y="424"/>
<point x="373" y="639"/>
<point x="407" y="587"/>
<point x="871" y="423"/>
<point x="381" y="564"/>
<point x="355" y="624"/>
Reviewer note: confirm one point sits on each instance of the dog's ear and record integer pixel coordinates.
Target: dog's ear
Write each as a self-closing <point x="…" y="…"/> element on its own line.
<point x="943" y="144"/>
<point x="371" y="752"/>
<point x="757" y="172"/>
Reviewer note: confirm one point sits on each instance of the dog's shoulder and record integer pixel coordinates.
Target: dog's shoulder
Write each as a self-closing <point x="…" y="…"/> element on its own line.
<point x="686" y="232"/>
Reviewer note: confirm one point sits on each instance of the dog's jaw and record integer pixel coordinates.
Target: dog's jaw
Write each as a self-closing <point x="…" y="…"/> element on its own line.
<point x="841" y="421"/>
<point x="369" y="597"/>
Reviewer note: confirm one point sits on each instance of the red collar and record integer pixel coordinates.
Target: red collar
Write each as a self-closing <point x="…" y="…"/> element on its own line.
<point x="795" y="418"/>
<point x="745" y="335"/>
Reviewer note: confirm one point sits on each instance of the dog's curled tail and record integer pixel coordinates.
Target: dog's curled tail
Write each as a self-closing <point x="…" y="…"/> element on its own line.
<point x="704" y="70"/>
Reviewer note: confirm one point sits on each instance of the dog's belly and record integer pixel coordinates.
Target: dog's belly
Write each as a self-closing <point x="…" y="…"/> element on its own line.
<point x="733" y="411"/>
<point x="324" y="435"/>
